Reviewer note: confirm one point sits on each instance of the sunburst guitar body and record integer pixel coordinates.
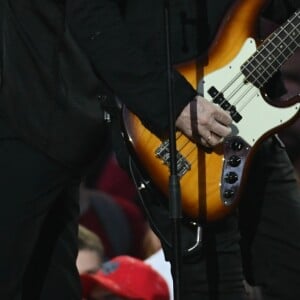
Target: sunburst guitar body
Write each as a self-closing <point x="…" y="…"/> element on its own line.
<point x="233" y="76"/>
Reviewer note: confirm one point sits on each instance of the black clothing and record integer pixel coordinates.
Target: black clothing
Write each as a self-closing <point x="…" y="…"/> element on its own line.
<point x="60" y="60"/>
<point x="269" y="222"/>
<point x="41" y="60"/>
<point x="38" y="224"/>
<point x="49" y="95"/>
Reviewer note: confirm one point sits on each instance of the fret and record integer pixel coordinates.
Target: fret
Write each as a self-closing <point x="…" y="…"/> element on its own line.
<point x="273" y="52"/>
<point x="276" y="54"/>
<point x="272" y="60"/>
<point x="292" y="29"/>
<point x="291" y="38"/>
<point x="279" y="54"/>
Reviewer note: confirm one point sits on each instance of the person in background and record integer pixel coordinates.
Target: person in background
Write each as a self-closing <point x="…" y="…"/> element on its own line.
<point x="125" y="277"/>
<point x="90" y="251"/>
<point x="116" y="220"/>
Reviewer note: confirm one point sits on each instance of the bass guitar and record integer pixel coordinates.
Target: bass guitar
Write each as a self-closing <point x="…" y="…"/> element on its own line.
<point x="233" y="77"/>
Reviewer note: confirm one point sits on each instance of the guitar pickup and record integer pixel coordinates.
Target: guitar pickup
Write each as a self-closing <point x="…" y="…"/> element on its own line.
<point x="236" y="117"/>
<point x="163" y="153"/>
<point x="218" y="98"/>
<point x="225" y="105"/>
<point x="234" y="114"/>
<point x="213" y="92"/>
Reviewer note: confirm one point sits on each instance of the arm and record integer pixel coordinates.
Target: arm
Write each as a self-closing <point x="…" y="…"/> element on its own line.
<point x="98" y="27"/>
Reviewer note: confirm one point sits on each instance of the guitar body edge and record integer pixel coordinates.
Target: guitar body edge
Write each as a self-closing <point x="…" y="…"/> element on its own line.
<point x="206" y="181"/>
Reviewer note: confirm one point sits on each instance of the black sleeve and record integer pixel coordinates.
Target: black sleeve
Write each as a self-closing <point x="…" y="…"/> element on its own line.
<point x="1" y="42"/>
<point x="98" y="27"/>
<point x="280" y="10"/>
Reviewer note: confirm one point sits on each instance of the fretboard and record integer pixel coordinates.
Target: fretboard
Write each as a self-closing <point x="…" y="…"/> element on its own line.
<point x="273" y="52"/>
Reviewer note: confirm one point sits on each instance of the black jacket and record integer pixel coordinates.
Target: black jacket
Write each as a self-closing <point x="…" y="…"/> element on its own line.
<point x="51" y="93"/>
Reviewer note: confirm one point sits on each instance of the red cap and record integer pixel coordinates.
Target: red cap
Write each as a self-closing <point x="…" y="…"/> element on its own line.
<point x="127" y="277"/>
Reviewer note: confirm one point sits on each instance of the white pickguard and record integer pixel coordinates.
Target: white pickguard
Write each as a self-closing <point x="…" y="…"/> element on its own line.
<point x="258" y="116"/>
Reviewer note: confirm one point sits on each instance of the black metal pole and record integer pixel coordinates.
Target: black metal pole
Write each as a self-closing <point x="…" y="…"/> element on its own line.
<point x="174" y="183"/>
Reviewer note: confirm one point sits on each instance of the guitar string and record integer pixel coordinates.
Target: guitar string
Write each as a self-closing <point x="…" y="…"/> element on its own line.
<point x="254" y="56"/>
<point x="250" y="99"/>
<point x="239" y="89"/>
<point x="245" y="101"/>
<point x="264" y="46"/>
<point x="242" y="97"/>
<point x="187" y="142"/>
<point x="257" y="53"/>
<point x="236" y="77"/>
<point x="190" y="152"/>
<point x="276" y="35"/>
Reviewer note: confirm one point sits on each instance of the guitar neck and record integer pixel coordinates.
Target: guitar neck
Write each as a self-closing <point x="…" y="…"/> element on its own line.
<point x="273" y="52"/>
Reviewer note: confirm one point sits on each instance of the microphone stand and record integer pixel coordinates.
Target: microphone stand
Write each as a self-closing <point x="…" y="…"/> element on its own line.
<point x="174" y="184"/>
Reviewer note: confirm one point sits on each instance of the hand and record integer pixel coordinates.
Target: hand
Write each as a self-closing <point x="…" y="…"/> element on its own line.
<point x="204" y="122"/>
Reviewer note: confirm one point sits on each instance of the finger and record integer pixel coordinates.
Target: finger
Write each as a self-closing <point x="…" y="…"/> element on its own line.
<point x="214" y="139"/>
<point x="204" y="143"/>
<point x="211" y="140"/>
<point x="223" y="117"/>
<point x="220" y="130"/>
